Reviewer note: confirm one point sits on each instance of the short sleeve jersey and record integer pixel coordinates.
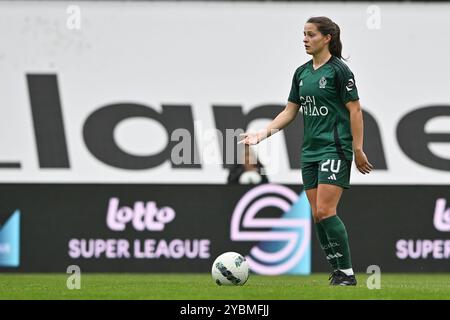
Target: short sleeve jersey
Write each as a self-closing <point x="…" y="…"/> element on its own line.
<point x="322" y="95"/>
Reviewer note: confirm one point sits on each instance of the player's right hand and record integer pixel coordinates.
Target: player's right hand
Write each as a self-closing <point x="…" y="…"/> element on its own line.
<point x="363" y="165"/>
<point x="250" y="138"/>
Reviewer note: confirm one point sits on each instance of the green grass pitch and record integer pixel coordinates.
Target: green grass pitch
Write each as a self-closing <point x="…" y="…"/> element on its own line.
<point x="201" y="286"/>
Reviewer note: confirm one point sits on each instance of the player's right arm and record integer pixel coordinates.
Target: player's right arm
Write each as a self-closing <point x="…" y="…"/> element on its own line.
<point x="282" y="120"/>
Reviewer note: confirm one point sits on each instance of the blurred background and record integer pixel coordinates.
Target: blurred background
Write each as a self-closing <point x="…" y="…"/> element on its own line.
<point x="119" y="122"/>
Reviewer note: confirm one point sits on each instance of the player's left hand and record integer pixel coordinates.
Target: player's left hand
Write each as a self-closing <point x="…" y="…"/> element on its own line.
<point x="363" y="165"/>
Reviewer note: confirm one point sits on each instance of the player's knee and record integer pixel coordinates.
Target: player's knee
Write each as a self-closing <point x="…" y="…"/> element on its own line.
<point x="324" y="212"/>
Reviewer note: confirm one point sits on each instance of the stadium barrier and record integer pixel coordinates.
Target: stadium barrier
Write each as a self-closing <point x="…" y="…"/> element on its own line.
<point x="179" y="228"/>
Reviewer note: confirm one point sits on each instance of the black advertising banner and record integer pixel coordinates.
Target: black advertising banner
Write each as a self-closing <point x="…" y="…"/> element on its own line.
<point x="182" y="228"/>
<point x="153" y="228"/>
<point x="399" y="228"/>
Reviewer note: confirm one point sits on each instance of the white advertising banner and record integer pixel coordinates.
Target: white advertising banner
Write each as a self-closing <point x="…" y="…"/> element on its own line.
<point x="94" y="92"/>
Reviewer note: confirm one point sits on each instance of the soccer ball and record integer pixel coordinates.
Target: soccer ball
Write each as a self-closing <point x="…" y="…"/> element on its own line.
<point x="231" y="269"/>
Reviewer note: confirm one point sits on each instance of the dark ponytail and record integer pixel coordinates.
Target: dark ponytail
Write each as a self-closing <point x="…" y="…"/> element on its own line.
<point x="327" y="26"/>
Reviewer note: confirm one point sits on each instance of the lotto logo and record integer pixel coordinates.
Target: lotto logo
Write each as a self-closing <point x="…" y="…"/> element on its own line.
<point x="441" y="219"/>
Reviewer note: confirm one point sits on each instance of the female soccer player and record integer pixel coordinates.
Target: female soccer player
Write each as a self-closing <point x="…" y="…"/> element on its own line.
<point x="324" y="89"/>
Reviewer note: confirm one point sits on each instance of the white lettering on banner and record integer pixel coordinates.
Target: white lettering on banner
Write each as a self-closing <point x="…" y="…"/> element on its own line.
<point x="428" y="248"/>
<point x="96" y="248"/>
<point x="142" y="216"/>
<point x="175" y="249"/>
<point x="141" y="249"/>
<point x="423" y="249"/>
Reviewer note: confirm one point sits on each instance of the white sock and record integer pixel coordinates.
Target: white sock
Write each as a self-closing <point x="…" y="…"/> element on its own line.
<point x="348" y="272"/>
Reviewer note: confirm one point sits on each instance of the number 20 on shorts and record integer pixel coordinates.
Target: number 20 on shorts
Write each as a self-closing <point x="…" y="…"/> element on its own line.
<point x="332" y="165"/>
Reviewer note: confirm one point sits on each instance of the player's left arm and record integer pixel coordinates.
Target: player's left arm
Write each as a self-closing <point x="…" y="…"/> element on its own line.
<point x="357" y="126"/>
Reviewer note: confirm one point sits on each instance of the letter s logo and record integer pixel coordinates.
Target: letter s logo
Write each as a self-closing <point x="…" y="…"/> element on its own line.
<point x="283" y="242"/>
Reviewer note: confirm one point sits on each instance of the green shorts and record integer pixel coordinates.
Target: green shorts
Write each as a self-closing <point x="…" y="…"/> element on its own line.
<point x="329" y="171"/>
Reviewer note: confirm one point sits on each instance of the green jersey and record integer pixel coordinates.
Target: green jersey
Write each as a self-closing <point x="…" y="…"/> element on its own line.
<point x="322" y="95"/>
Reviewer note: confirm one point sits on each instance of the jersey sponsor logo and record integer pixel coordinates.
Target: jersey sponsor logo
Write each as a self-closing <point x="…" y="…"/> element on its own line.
<point x="322" y="83"/>
<point x="309" y="108"/>
<point x="314" y="111"/>
<point x="350" y="85"/>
